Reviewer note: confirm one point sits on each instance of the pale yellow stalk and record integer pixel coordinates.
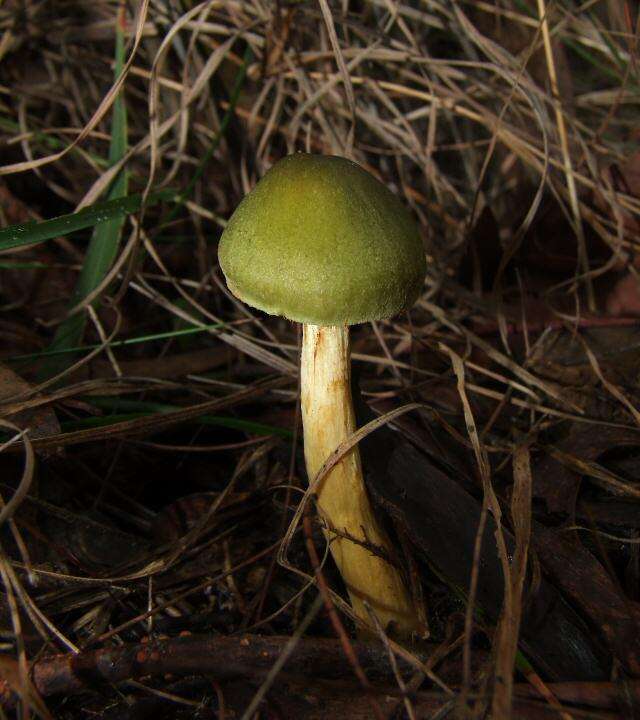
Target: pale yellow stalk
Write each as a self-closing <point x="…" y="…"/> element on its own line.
<point x="342" y="500"/>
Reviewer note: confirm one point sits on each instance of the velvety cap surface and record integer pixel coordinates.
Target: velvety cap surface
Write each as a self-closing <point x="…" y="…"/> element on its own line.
<point x="319" y="240"/>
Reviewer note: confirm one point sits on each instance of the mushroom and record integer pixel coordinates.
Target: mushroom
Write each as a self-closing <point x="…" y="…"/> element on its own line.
<point x="320" y="241"/>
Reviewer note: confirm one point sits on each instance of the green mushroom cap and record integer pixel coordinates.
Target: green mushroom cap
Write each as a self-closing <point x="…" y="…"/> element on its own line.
<point x="319" y="240"/>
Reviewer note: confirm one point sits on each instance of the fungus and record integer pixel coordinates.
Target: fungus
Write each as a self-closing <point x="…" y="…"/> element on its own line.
<point x="320" y="241"/>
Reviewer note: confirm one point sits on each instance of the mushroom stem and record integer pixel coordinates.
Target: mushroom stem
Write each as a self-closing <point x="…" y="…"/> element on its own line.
<point x="354" y="532"/>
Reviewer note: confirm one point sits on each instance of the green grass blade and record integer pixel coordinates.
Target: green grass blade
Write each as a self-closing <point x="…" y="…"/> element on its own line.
<point x="105" y="242"/>
<point x="31" y="233"/>
<point x="127" y="409"/>
<point x="169" y="335"/>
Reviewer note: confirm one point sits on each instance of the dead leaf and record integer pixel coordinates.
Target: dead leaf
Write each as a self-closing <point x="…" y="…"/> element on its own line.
<point x="509" y="624"/>
<point x="41" y="421"/>
<point x="557" y="481"/>
<point x="580" y="576"/>
<point x="624" y="298"/>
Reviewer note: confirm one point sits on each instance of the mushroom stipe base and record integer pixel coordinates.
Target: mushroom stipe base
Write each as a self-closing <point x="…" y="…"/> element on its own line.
<point x="328" y="419"/>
